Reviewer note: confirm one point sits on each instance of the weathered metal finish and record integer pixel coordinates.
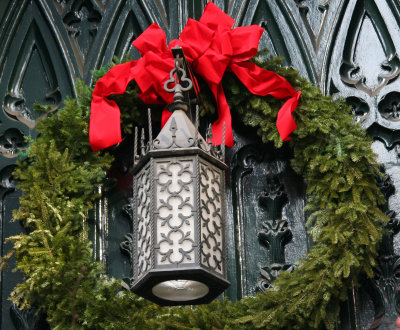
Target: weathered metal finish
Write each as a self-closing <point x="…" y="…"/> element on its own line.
<point x="347" y="47"/>
<point x="179" y="204"/>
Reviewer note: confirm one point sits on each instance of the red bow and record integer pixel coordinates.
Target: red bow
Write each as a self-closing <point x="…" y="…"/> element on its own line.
<point x="212" y="47"/>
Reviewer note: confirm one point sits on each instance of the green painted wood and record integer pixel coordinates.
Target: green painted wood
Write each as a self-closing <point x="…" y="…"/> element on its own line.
<point x="347" y="47"/>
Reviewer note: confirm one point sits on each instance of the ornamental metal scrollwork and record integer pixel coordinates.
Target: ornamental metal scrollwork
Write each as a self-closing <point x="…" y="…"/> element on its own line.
<point x="143" y="223"/>
<point x="211" y="217"/>
<point x="175" y="195"/>
<point x="173" y="141"/>
<point x="127" y="246"/>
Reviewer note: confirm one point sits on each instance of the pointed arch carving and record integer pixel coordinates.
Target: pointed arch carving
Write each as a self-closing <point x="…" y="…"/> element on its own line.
<point x="365" y="67"/>
<point x="33" y="59"/>
<point x="323" y="39"/>
<point x="34" y="54"/>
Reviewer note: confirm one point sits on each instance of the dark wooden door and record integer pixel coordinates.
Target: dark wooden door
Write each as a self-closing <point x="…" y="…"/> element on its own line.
<point x="347" y="47"/>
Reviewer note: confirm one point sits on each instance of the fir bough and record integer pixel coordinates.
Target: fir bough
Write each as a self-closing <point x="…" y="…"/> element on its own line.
<point x="60" y="174"/>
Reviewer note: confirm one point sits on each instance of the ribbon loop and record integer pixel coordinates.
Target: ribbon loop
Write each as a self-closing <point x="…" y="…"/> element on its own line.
<point x="243" y="51"/>
<point x="211" y="47"/>
<point x="153" y="39"/>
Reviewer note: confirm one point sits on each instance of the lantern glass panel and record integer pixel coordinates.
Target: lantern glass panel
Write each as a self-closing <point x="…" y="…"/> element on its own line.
<point x="212" y="254"/>
<point x="144" y="242"/>
<point x="175" y="211"/>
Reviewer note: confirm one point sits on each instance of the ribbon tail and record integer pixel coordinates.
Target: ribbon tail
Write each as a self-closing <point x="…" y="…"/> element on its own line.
<point x="224" y="116"/>
<point x="285" y="122"/>
<point x="263" y="82"/>
<point x="105" y="127"/>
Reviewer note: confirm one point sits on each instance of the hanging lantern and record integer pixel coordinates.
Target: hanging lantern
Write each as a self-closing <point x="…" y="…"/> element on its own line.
<point x="179" y="207"/>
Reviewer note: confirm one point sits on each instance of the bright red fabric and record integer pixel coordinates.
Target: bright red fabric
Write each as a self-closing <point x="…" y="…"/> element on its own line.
<point x="211" y="46"/>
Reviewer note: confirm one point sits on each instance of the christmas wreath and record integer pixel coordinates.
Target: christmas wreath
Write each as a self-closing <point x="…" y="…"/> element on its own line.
<point x="330" y="151"/>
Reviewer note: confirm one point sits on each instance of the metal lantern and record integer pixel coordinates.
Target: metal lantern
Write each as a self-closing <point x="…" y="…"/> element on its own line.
<point x="179" y="210"/>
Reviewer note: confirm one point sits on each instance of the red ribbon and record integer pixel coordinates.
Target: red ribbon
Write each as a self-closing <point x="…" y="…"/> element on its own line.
<point x="211" y="46"/>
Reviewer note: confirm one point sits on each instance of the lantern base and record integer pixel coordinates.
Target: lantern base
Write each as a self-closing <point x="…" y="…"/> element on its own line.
<point x="180" y="287"/>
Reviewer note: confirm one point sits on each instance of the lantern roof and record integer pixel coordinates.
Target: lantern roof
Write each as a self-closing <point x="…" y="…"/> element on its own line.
<point x="179" y="132"/>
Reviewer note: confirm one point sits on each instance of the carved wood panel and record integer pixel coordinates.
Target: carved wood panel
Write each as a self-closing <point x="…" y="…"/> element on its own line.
<point x="265" y="216"/>
<point x="347" y="47"/>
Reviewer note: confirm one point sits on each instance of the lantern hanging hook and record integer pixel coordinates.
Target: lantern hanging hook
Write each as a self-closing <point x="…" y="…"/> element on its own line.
<point x="182" y="83"/>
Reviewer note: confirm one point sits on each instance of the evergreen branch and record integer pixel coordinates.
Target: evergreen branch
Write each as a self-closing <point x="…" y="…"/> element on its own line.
<point x="73" y="294"/>
<point x="330" y="151"/>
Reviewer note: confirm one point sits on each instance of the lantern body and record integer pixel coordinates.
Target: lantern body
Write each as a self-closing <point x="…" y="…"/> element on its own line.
<point x="179" y="216"/>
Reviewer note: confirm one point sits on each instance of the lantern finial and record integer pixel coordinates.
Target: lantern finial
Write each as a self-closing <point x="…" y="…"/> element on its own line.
<point x="182" y="83"/>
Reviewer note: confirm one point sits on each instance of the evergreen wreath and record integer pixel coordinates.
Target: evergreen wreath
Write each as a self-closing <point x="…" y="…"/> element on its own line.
<point x="58" y="176"/>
